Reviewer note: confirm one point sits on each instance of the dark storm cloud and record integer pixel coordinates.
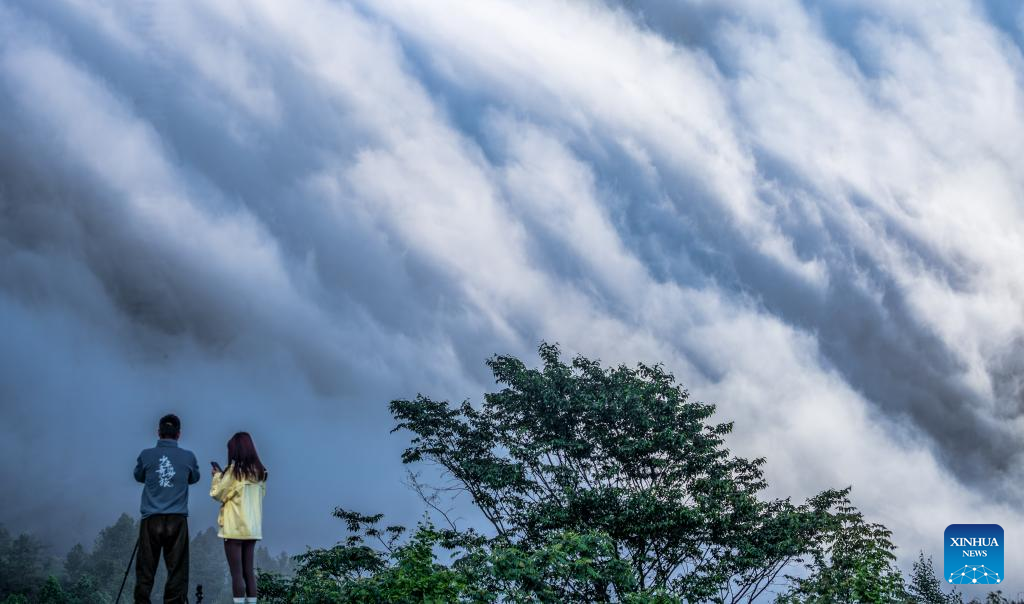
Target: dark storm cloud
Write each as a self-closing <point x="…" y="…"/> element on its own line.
<point x="279" y="216"/>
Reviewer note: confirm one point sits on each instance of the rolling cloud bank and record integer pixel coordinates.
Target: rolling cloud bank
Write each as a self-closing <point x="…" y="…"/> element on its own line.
<point x="278" y="216"/>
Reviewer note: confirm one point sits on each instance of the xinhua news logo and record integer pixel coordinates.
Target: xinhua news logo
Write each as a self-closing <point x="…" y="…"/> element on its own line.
<point x="973" y="553"/>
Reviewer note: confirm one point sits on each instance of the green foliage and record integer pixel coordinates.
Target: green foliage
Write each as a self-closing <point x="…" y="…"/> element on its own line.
<point x="23" y="564"/>
<point x="52" y="592"/>
<point x="567" y="567"/>
<point x="208" y="566"/>
<point x="995" y="597"/>
<point x="93" y="577"/>
<point x="354" y="571"/>
<point x="624" y="453"/>
<point x="76" y="563"/>
<point x="414" y="575"/>
<point x="924" y="585"/>
<point x="279" y="565"/>
<point x="273" y="587"/>
<point x="852" y="562"/>
<point x="480" y="570"/>
<point x="85" y="591"/>
<point x="110" y="554"/>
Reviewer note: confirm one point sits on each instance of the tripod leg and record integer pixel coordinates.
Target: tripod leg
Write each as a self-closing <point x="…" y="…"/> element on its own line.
<point x="130" y="560"/>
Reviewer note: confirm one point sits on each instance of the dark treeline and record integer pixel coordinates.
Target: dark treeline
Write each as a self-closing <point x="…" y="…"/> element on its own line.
<point x="30" y="572"/>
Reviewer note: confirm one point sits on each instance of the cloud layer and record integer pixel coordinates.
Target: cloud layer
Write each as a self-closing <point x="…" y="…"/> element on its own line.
<point x="279" y="216"/>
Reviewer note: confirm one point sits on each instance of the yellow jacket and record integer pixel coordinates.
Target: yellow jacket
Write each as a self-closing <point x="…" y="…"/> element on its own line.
<point x="241" y="505"/>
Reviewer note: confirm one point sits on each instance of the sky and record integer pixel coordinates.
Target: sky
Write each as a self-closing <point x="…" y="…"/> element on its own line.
<point x="279" y="216"/>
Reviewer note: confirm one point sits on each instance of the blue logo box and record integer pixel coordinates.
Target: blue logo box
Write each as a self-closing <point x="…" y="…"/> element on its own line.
<point x="973" y="554"/>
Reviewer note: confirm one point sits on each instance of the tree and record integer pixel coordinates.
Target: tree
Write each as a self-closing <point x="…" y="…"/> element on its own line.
<point x="567" y="567"/>
<point x="852" y="563"/>
<point x="280" y="565"/>
<point x="925" y="586"/>
<point x="376" y="565"/>
<point x="110" y="555"/>
<point x="620" y="452"/>
<point x="93" y="577"/>
<point x="208" y="567"/>
<point x="76" y="563"/>
<point x="52" y="592"/>
<point x="23" y="564"/>
<point x="353" y="571"/>
<point x="85" y="591"/>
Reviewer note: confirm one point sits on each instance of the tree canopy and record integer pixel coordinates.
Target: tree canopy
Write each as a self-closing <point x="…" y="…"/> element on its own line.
<point x="600" y="484"/>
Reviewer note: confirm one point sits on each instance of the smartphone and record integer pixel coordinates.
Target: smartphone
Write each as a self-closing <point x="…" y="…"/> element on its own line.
<point x="216" y="466"/>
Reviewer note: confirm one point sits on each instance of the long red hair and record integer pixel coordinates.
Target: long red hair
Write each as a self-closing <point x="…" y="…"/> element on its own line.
<point x="242" y="455"/>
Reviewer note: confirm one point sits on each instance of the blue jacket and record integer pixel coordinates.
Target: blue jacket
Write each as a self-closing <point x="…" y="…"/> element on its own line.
<point x="166" y="471"/>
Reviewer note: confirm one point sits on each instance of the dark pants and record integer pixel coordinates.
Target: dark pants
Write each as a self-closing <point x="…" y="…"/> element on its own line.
<point x="240" y="554"/>
<point x="167" y="533"/>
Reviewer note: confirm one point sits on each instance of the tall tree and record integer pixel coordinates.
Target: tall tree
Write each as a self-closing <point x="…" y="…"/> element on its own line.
<point x="76" y="563"/>
<point x="23" y="564"/>
<point x="578" y="448"/>
<point x="85" y="591"/>
<point x="111" y="553"/>
<point x="852" y="563"/>
<point x="280" y="564"/>
<point x="208" y="566"/>
<point x="52" y="593"/>
<point x="924" y="585"/>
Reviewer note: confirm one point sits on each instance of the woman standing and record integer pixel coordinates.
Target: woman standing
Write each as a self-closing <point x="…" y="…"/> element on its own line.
<point x="240" y="489"/>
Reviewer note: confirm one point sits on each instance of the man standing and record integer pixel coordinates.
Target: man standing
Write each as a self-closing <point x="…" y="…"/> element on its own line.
<point x="166" y="470"/>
